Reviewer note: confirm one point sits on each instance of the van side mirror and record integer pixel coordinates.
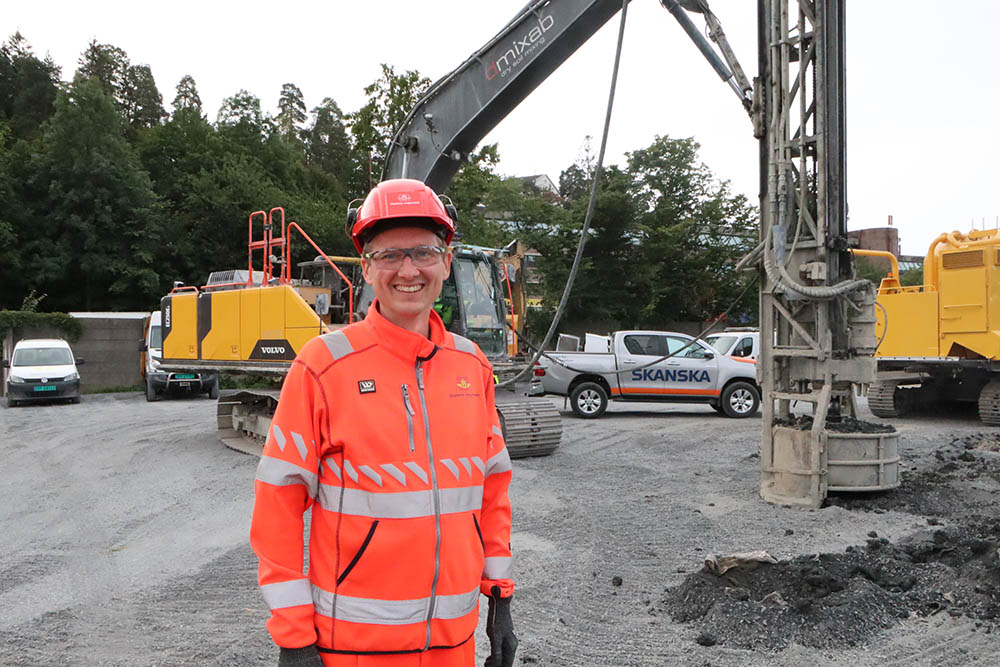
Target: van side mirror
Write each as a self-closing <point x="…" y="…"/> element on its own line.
<point x="80" y="361"/>
<point x="142" y="346"/>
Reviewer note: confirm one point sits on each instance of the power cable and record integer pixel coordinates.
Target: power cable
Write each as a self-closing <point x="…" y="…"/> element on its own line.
<point x="590" y="205"/>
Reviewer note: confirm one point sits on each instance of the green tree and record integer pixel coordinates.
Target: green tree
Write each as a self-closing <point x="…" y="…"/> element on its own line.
<point x="187" y="98"/>
<point x="143" y="103"/>
<point x="329" y="148"/>
<point x="291" y="112"/>
<point x="98" y="223"/>
<point x="390" y="98"/>
<point x="692" y="230"/>
<point x="27" y="89"/>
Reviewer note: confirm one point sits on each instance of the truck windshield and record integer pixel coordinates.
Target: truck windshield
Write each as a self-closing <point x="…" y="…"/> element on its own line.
<point x="721" y="343"/>
<point x="155" y="337"/>
<point x="42" y="356"/>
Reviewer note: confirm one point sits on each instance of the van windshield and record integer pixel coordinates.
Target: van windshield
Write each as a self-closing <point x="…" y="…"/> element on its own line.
<point x="155" y="337"/>
<point x="42" y="356"/>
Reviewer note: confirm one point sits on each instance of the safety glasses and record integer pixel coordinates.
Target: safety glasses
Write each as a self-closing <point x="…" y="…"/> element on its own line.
<point x="390" y="258"/>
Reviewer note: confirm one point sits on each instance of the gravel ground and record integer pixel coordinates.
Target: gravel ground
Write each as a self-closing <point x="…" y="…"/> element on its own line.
<point x="125" y="543"/>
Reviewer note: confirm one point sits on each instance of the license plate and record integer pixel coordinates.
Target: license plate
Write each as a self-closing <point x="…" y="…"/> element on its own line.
<point x="185" y="376"/>
<point x="45" y="388"/>
<point x="184" y="384"/>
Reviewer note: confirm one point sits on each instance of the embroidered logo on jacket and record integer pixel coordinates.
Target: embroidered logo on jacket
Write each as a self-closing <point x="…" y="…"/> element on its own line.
<point x="462" y="383"/>
<point x="366" y="386"/>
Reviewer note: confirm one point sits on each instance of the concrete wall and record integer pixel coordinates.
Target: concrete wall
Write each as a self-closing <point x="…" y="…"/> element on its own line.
<point x="109" y="346"/>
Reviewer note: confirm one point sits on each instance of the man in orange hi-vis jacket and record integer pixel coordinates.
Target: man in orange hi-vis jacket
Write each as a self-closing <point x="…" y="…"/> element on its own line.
<point x="387" y="430"/>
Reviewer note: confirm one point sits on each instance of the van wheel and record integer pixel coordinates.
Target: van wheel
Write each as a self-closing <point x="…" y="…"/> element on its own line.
<point x="213" y="391"/>
<point x="151" y="394"/>
<point x="740" y="399"/>
<point x="589" y="400"/>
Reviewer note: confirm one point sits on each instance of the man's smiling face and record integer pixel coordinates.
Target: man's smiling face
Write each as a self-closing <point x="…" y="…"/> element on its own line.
<point x="406" y="293"/>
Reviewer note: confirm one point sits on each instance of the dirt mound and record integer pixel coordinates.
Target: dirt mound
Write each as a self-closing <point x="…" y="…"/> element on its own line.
<point x="841" y="600"/>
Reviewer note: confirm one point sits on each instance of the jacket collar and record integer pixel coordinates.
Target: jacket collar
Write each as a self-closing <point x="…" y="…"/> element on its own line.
<point x="401" y="342"/>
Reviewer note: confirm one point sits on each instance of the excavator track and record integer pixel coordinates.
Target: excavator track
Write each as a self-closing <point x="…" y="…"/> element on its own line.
<point x="531" y="427"/>
<point x="989" y="403"/>
<point x="882" y="400"/>
<point x="244" y="418"/>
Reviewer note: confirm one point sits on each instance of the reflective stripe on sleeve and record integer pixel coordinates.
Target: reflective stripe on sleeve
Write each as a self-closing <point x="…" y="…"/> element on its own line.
<point x="497" y="431"/>
<point x="338" y="344"/>
<point x="499" y="463"/>
<point x="282" y="473"/>
<point x="399" y="505"/>
<point x="498" y="567"/>
<point x="463" y="344"/>
<point x="393" y="612"/>
<point x="287" y="593"/>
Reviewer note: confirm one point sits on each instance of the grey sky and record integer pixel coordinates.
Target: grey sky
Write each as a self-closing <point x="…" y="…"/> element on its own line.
<point x="922" y="90"/>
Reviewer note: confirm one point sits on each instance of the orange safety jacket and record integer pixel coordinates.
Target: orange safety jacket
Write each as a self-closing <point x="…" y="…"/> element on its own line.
<point x="394" y="442"/>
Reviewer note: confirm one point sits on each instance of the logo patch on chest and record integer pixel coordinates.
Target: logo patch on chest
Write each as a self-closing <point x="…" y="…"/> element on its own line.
<point x="462" y="383"/>
<point x="366" y="386"/>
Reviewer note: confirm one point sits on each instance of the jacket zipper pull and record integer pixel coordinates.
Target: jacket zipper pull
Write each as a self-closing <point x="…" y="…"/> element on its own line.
<point x="410" y="414"/>
<point x="420" y="375"/>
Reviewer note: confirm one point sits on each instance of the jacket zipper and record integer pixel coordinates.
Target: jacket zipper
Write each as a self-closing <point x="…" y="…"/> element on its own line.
<point x="436" y="493"/>
<point x="410" y="412"/>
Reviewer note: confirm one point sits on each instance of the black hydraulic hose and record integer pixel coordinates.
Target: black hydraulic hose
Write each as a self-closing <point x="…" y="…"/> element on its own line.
<point x="590" y="205"/>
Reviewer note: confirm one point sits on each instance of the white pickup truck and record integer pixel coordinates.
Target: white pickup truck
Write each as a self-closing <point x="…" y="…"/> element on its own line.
<point x="697" y="373"/>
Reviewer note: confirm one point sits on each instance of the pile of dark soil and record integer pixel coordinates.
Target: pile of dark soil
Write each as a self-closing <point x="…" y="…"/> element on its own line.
<point x="838" y="600"/>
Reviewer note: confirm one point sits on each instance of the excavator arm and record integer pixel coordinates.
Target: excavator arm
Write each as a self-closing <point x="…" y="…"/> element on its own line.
<point x="462" y="107"/>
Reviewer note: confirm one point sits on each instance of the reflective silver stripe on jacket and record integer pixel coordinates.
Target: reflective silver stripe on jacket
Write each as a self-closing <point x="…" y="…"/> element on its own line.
<point x="287" y="593"/>
<point x="392" y="612"/>
<point x="499" y="463"/>
<point x="400" y="504"/>
<point x="463" y="344"/>
<point x="282" y="473"/>
<point x="498" y="567"/>
<point x="338" y="344"/>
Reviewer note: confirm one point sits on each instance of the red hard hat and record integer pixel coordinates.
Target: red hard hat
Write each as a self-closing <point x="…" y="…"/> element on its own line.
<point x="403" y="201"/>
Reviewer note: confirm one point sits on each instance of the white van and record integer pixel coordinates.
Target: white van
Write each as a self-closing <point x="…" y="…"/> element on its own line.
<point x="159" y="382"/>
<point x="740" y="342"/>
<point x="42" y="369"/>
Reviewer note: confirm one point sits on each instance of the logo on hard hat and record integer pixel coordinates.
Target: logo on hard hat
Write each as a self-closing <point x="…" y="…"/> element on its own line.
<point x="404" y="197"/>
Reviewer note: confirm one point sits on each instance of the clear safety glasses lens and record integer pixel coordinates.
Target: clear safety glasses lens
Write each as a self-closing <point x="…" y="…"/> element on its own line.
<point x="421" y="255"/>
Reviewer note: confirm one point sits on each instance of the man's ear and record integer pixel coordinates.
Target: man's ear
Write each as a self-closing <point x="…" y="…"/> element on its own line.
<point x="447" y="263"/>
<point x="366" y="270"/>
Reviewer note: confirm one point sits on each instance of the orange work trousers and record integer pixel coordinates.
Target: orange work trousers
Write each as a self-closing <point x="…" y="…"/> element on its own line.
<point x="460" y="656"/>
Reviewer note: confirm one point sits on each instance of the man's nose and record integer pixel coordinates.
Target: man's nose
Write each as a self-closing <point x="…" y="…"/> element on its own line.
<point x="407" y="267"/>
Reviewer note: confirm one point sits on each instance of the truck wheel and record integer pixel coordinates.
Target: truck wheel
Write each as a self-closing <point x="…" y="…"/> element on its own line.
<point x="989" y="403"/>
<point x="150" y="391"/>
<point x="213" y="391"/>
<point x="588" y="400"/>
<point x="740" y="399"/>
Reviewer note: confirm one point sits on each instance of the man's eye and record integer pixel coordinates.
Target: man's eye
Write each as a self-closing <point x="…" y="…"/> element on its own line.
<point x="390" y="256"/>
<point x="422" y="254"/>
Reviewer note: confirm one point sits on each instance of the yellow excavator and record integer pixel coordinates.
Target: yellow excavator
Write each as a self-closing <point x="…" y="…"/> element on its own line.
<point x="254" y="322"/>
<point x="940" y="341"/>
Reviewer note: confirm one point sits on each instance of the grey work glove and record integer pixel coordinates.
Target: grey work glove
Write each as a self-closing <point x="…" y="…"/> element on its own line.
<point x="500" y="630"/>
<point x="307" y="656"/>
